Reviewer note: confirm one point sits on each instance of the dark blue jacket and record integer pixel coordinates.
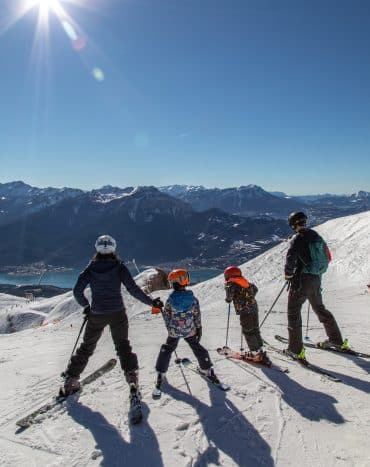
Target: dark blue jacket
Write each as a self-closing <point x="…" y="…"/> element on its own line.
<point x="105" y="278"/>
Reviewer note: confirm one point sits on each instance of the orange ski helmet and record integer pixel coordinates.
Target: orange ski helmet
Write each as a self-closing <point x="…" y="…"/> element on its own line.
<point x="232" y="271"/>
<point x="181" y="276"/>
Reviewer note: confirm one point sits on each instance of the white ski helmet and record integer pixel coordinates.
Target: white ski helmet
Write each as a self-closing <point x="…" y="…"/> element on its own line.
<point x="105" y="245"/>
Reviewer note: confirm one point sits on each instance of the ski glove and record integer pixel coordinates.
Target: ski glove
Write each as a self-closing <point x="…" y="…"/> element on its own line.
<point x="199" y="334"/>
<point x="288" y="277"/>
<point x="157" y="303"/>
<point x="157" y="306"/>
<point x="87" y="311"/>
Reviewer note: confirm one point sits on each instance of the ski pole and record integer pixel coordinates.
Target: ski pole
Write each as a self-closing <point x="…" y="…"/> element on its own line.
<point x="137" y="269"/>
<point x="276" y="299"/>
<point x="308" y="317"/>
<point x="78" y="338"/>
<point x="227" y="326"/>
<point x="178" y="361"/>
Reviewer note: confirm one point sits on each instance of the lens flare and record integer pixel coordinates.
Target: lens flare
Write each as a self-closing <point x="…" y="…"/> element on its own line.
<point x="98" y="74"/>
<point x="46" y="8"/>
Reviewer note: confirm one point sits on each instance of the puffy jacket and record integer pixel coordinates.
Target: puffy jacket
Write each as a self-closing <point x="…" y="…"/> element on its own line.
<point x="181" y="314"/>
<point x="105" y="278"/>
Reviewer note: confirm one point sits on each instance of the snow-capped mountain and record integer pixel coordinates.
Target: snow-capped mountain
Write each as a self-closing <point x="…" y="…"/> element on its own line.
<point x="179" y="191"/>
<point x="108" y="193"/>
<point x="268" y="418"/>
<point x="250" y="200"/>
<point x="18" y="199"/>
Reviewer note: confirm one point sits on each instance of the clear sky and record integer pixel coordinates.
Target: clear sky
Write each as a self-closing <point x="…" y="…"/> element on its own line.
<point x="213" y="92"/>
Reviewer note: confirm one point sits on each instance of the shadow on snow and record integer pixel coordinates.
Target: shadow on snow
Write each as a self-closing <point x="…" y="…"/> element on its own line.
<point x="226" y="429"/>
<point x="311" y="404"/>
<point x="142" y="450"/>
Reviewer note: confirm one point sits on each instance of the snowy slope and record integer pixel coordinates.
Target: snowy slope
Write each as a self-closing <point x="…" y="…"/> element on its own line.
<point x="267" y="419"/>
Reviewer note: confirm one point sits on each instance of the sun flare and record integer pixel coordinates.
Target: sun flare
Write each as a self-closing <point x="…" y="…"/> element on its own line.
<point x="46" y="9"/>
<point x="47" y="6"/>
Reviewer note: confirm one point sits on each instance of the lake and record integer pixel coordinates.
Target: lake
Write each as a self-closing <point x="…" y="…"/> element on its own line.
<point x="67" y="279"/>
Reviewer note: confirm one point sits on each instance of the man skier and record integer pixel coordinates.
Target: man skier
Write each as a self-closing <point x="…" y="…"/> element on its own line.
<point x="307" y="259"/>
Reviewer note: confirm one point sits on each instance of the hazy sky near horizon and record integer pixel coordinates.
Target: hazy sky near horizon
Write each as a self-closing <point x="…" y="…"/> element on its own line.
<point x="157" y="92"/>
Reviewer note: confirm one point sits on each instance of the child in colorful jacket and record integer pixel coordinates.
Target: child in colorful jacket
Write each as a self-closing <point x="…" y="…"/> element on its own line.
<point x="242" y="293"/>
<point x="181" y="315"/>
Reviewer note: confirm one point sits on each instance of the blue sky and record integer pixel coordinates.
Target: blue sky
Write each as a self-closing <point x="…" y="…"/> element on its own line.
<point x="219" y="93"/>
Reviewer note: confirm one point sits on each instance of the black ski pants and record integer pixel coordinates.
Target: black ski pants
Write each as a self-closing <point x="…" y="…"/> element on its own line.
<point x="250" y="327"/>
<point x="170" y="346"/>
<point x="96" y="323"/>
<point x="309" y="288"/>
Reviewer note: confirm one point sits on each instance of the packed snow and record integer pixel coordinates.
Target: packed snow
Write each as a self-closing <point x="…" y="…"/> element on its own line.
<point x="267" y="418"/>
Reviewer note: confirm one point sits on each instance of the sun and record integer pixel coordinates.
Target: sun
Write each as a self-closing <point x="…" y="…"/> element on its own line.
<point x="45" y="3"/>
<point x="46" y="9"/>
<point x="46" y="6"/>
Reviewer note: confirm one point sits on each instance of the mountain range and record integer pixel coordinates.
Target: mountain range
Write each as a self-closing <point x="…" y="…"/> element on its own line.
<point x="149" y="225"/>
<point x="171" y="224"/>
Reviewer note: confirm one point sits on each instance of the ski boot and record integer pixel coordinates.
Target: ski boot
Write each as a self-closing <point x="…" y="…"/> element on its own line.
<point x="209" y="374"/>
<point x="328" y="344"/>
<point x="300" y="357"/>
<point x="161" y="378"/>
<point x="157" y="390"/>
<point x="257" y="357"/>
<point x="71" y="385"/>
<point x="261" y="357"/>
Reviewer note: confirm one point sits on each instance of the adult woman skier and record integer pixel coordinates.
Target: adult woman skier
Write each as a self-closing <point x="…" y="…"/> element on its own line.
<point x="105" y="274"/>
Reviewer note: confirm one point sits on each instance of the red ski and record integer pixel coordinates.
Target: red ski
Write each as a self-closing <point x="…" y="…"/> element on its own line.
<point x="229" y="353"/>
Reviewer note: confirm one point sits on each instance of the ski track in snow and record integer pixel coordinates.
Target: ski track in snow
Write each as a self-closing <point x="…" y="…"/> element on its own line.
<point x="268" y="418"/>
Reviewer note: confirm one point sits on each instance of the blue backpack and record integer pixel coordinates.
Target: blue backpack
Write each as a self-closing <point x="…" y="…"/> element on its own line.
<point x="320" y="258"/>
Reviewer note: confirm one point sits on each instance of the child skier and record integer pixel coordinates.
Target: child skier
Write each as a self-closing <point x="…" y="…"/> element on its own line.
<point x="181" y="315"/>
<point x="242" y="293"/>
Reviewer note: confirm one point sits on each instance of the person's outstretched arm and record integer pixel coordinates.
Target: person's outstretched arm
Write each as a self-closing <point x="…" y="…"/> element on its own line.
<point x="132" y="288"/>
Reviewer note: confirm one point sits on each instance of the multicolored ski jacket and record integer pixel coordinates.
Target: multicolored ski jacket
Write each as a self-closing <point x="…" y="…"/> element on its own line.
<point x="242" y="294"/>
<point x="181" y="314"/>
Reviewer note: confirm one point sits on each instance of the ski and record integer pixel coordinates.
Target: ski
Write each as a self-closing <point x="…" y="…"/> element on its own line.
<point x="30" y="419"/>
<point x="305" y="364"/>
<point x="191" y="366"/>
<point x="314" y="345"/>
<point x="229" y="353"/>
<point x="135" y="414"/>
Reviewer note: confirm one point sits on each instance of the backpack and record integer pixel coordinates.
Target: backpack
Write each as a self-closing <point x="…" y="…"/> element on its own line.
<point x="320" y="258"/>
